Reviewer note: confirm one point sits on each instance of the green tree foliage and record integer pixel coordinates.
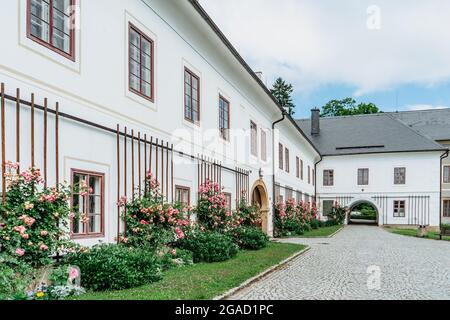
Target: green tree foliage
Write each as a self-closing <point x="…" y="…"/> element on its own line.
<point x="347" y="107"/>
<point x="282" y="91"/>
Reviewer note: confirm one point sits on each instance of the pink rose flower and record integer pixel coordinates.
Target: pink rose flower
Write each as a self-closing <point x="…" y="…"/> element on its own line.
<point x="44" y="233"/>
<point x="43" y="247"/>
<point x="20" y="252"/>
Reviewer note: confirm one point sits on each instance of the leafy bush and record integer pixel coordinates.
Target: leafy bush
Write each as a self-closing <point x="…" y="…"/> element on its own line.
<point x="315" y="224"/>
<point x="209" y="246"/>
<point x="33" y="221"/>
<point x="445" y="227"/>
<point x="151" y="223"/>
<point x="292" y="218"/>
<point x="176" y="257"/>
<point x="15" y="276"/>
<point x="116" y="267"/>
<point x="248" y="216"/>
<point x="337" y="215"/>
<point x="250" y="238"/>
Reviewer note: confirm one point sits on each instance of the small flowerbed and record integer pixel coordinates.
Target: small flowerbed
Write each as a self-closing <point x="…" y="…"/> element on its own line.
<point x="296" y="219"/>
<point x="33" y="227"/>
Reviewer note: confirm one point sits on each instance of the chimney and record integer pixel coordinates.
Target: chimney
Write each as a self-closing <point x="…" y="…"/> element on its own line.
<point x="315" y="122"/>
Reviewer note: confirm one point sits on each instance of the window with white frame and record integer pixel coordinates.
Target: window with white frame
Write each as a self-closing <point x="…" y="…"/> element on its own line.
<point x="328" y="178"/>
<point x="363" y="177"/>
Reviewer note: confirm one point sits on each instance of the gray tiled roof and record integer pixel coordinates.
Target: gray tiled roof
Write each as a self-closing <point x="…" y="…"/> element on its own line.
<point x="431" y="123"/>
<point x="378" y="133"/>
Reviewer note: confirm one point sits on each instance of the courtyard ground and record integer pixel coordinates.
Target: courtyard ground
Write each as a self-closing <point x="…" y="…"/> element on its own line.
<point x="360" y="262"/>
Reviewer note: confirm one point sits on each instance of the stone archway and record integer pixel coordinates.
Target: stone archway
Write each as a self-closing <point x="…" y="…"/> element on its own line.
<point x="260" y="198"/>
<point x="361" y="201"/>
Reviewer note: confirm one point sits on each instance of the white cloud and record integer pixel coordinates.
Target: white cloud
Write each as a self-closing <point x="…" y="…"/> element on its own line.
<point x="418" y="107"/>
<point x="314" y="43"/>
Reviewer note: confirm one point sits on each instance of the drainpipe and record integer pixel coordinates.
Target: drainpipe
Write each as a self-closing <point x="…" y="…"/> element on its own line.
<point x="445" y="155"/>
<point x="315" y="178"/>
<point x="273" y="159"/>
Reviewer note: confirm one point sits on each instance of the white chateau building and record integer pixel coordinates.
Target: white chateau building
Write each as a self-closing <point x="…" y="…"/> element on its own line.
<point x="109" y="90"/>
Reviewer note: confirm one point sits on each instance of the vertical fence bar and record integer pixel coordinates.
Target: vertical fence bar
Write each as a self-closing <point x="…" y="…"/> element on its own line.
<point x="139" y="163"/>
<point x="171" y="171"/>
<point x="157" y="159"/>
<point x="162" y="168"/>
<point x="145" y="164"/>
<point x="125" y="179"/>
<point x="57" y="143"/>
<point x="32" y="131"/>
<point x="167" y="171"/>
<point x="132" y="164"/>
<point x="18" y="129"/>
<point x="151" y="155"/>
<point x="3" y="143"/>
<point x="45" y="140"/>
<point x="118" y="183"/>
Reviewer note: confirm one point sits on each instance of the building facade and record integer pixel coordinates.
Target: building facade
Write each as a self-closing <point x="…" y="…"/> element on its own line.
<point x="107" y="91"/>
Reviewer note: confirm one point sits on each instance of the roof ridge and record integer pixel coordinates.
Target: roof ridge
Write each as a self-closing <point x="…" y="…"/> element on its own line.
<point x="415" y="131"/>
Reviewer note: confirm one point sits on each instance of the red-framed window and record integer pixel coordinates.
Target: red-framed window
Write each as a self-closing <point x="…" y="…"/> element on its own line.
<point x="301" y="169"/>
<point x="140" y="67"/>
<point x="224" y="118"/>
<point x="280" y="156"/>
<point x="309" y="174"/>
<point x="191" y="96"/>
<point x="446" y="174"/>
<point x="87" y="202"/>
<point x="263" y="145"/>
<point x="183" y="195"/>
<point x="328" y="178"/>
<point x="254" y="138"/>
<point x="52" y="24"/>
<point x="446" y="208"/>
<point x="286" y="158"/>
<point x="363" y="177"/>
<point x="399" y="208"/>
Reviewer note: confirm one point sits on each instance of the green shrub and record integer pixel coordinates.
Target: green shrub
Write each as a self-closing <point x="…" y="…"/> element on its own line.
<point x="250" y="238"/>
<point x="209" y="246"/>
<point x="173" y="258"/>
<point x="315" y="224"/>
<point x="14" y="278"/>
<point x="116" y="267"/>
<point x="445" y="227"/>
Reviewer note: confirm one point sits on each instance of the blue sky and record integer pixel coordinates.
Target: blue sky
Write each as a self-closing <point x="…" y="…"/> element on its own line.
<point x="395" y="54"/>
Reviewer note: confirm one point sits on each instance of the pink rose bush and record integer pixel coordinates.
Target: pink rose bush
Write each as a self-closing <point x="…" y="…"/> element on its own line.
<point x="151" y="222"/>
<point x="294" y="218"/>
<point x="33" y="218"/>
<point x="212" y="211"/>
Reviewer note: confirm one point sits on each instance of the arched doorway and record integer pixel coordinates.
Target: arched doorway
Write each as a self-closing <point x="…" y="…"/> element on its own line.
<point x="260" y="199"/>
<point x="363" y="212"/>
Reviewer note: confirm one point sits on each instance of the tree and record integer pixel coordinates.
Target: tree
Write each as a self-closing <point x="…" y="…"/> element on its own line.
<point x="348" y="107"/>
<point x="282" y="91"/>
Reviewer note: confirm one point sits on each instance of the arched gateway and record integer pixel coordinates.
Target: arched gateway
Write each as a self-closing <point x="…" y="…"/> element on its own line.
<point x="260" y="198"/>
<point x="364" y="210"/>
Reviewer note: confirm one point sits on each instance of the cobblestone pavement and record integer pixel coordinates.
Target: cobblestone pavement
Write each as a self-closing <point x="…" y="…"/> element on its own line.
<point x="337" y="268"/>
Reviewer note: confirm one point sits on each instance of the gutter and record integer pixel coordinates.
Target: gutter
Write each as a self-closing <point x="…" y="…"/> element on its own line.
<point x="444" y="156"/>
<point x="315" y="178"/>
<point x="273" y="157"/>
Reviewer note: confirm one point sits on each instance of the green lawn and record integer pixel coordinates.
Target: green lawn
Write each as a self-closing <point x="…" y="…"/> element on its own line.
<point x="204" y="281"/>
<point x="321" y="232"/>
<point x="413" y="233"/>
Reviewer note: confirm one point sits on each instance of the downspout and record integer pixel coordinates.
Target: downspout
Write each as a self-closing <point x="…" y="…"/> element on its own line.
<point x="445" y="155"/>
<point x="315" y="178"/>
<point x="273" y="159"/>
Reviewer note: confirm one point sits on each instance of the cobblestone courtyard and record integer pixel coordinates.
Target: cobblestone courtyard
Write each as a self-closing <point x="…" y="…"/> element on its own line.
<point x="336" y="268"/>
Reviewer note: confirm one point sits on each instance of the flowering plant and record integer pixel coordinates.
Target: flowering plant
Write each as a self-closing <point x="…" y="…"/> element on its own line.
<point x="337" y="215"/>
<point x="150" y="221"/>
<point x="33" y="220"/>
<point x="248" y="216"/>
<point x="294" y="218"/>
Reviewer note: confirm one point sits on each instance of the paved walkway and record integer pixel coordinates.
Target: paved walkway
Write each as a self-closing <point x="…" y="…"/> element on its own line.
<point x="337" y="268"/>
